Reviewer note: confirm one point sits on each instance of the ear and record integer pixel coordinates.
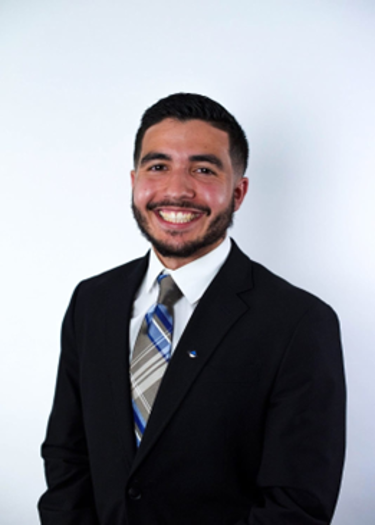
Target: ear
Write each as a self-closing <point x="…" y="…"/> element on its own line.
<point x="132" y="177"/>
<point x="240" y="191"/>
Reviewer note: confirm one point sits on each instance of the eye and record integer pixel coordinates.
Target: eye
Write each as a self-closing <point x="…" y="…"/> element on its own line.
<point x="157" y="167"/>
<point x="205" y="171"/>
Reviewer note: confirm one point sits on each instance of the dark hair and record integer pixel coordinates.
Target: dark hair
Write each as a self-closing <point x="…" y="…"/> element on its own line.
<point x="189" y="106"/>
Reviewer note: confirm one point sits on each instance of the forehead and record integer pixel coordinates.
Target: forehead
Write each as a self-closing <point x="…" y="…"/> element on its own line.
<point x="192" y="136"/>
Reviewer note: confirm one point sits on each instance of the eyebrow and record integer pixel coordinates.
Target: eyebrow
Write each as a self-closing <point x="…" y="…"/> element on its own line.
<point x="211" y="159"/>
<point x="154" y="155"/>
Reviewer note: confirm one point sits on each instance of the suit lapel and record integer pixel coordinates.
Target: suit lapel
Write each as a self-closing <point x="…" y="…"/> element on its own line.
<point x="118" y="315"/>
<point x="218" y="310"/>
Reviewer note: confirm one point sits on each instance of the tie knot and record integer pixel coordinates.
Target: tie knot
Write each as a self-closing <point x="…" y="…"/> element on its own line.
<point x="169" y="292"/>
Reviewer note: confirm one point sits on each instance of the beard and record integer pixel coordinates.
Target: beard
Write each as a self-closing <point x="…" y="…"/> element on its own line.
<point x="216" y="229"/>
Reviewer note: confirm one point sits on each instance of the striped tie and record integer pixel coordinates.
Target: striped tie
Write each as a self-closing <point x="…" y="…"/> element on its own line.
<point x="152" y="352"/>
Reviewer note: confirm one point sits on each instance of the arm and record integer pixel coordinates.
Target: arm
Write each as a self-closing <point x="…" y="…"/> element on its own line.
<point x="69" y="498"/>
<point x="304" y="440"/>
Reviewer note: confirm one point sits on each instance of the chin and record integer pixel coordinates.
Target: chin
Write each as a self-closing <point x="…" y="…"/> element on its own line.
<point x="183" y="249"/>
<point x="215" y="232"/>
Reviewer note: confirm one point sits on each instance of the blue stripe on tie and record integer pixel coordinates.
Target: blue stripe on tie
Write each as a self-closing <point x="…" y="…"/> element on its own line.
<point x="138" y="418"/>
<point x="160" y="311"/>
<point x="159" y="341"/>
<point x="156" y="336"/>
<point x="165" y="317"/>
<point x="150" y="313"/>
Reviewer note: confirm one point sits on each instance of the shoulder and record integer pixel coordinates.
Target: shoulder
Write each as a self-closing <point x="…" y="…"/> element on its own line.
<point x="123" y="279"/>
<point x="115" y="275"/>
<point x="286" y="298"/>
<point x="273" y="293"/>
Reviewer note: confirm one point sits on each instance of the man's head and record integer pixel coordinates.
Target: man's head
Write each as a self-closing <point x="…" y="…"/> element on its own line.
<point x="189" y="106"/>
<point x="190" y="156"/>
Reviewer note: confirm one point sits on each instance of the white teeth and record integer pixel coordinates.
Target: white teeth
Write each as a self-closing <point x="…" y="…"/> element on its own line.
<point x="177" y="216"/>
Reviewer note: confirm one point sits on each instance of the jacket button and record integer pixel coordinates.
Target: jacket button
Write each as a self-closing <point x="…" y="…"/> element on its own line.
<point x="134" y="493"/>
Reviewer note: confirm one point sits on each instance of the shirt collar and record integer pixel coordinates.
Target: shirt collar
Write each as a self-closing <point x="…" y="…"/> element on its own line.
<point x="193" y="278"/>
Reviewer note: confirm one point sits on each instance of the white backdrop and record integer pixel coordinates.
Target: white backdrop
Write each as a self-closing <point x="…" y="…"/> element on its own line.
<point x="74" y="80"/>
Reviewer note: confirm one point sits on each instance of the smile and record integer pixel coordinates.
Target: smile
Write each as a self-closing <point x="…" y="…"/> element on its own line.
<point x="178" y="217"/>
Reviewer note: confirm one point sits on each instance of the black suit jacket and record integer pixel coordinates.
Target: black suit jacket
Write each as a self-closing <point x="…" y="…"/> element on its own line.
<point x="251" y="431"/>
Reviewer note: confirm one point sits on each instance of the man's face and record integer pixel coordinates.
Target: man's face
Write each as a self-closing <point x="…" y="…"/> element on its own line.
<point x="185" y="190"/>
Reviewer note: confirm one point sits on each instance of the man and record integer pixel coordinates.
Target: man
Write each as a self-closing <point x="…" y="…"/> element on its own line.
<point x="194" y="386"/>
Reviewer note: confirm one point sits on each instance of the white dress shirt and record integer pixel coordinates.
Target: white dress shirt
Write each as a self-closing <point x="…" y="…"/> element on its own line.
<point x="193" y="279"/>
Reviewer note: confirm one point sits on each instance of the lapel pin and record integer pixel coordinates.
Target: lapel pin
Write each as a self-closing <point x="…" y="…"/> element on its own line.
<point x="193" y="354"/>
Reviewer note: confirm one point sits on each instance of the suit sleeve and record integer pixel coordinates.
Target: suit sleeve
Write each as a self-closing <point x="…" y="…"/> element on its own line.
<point x="69" y="498"/>
<point x="303" y="453"/>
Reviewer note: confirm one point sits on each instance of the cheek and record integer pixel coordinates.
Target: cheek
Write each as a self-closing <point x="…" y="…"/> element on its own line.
<point x="142" y="192"/>
<point x="215" y="197"/>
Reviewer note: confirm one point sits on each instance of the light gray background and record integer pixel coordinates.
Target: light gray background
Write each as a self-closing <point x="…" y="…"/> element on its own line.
<point x="74" y="80"/>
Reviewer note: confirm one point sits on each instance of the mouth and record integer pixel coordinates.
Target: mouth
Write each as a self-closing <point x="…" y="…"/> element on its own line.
<point x="178" y="217"/>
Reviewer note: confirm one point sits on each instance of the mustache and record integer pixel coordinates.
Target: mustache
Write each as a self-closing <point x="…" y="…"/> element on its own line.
<point x="178" y="204"/>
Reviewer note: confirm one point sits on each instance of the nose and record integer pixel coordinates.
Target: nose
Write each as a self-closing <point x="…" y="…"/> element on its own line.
<point x="180" y="185"/>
